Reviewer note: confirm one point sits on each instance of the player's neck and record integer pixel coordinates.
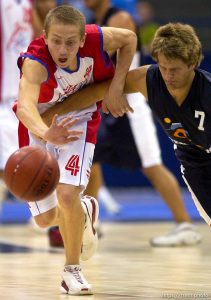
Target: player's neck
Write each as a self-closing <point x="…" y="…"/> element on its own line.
<point x="74" y="65"/>
<point x="180" y="94"/>
<point x="100" y="12"/>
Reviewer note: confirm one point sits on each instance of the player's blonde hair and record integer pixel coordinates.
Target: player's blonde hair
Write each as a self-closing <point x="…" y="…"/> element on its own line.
<point x="66" y="15"/>
<point x="177" y="40"/>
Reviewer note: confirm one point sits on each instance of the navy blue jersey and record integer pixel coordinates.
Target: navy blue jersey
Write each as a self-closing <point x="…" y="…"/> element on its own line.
<point x="188" y="125"/>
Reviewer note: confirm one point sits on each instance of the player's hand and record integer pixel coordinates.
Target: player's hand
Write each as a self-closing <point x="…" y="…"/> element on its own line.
<point x="116" y="103"/>
<point x="59" y="133"/>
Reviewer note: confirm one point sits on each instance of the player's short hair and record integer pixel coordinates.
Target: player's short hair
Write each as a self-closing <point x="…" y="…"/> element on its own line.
<point x="177" y="40"/>
<point x="66" y="15"/>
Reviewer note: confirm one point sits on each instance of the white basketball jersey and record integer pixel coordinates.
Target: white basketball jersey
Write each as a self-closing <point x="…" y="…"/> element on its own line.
<point x="15" y="34"/>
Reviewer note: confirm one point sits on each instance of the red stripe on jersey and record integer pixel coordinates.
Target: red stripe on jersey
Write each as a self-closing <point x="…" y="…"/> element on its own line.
<point x="92" y="128"/>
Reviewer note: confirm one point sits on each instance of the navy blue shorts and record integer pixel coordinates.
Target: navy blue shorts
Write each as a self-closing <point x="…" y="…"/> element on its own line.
<point x="196" y="171"/>
<point x="116" y="145"/>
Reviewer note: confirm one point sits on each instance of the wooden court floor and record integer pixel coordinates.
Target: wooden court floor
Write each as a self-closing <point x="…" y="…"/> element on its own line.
<point x="125" y="267"/>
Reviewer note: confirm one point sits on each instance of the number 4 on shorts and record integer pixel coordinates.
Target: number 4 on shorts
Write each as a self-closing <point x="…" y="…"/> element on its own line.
<point x="73" y="165"/>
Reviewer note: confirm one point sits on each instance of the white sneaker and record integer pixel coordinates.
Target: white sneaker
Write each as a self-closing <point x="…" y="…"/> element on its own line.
<point x="182" y="234"/>
<point x="73" y="282"/>
<point x="90" y="238"/>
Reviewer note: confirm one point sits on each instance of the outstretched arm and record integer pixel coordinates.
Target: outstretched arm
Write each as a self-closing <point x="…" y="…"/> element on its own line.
<point x="135" y="82"/>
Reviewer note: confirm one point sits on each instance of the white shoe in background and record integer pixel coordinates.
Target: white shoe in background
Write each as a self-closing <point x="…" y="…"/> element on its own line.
<point x="183" y="234"/>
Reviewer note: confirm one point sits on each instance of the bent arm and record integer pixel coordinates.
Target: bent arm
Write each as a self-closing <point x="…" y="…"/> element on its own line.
<point x="135" y="82"/>
<point x="81" y="99"/>
<point x="125" y="41"/>
<point x="29" y="89"/>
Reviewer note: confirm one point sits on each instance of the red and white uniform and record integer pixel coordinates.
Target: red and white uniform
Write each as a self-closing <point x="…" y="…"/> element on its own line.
<point x="93" y="64"/>
<point x="15" y="35"/>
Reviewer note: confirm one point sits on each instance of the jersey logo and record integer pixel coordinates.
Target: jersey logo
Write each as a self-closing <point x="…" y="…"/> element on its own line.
<point x="176" y="132"/>
<point x="73" y="165"/>
<point x="88" y="71"/>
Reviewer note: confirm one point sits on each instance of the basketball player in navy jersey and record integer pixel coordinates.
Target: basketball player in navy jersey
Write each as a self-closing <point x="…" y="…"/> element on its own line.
<point x="179" y="94"/>
<point x="66" y="58"/>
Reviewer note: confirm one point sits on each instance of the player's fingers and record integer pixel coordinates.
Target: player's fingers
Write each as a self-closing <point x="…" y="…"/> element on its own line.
<point x="54" y="120"/>
<point x="64" y="121"/>
<point x="72" y="139"/>
<point x="104" y="107"/>
<point x="74" y="132"/>
<point x="71" y="123"/>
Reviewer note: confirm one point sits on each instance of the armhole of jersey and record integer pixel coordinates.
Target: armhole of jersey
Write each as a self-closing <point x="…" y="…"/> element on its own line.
<point x="104" y="55"/>
<point x="22" y="56"/>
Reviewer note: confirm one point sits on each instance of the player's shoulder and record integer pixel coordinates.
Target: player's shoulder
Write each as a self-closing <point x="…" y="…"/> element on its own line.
<point x="93" y="41"/>
<point x="38" y="48"/>
<point x="204" y="75"/>
<point x="91" y="30"/>
<point x="203" y="84"/>
<point x="152" y="71"/>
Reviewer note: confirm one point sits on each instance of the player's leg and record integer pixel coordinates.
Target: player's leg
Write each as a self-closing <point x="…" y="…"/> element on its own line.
<point x="95" y="181"/>
<point x="98" y="190"/>
<point x="74" y="219"/>
<point x="69" y="215"/>
<point x="161" y="178"/>
<point x="77" y="216"/>
<point x="198" y="182"/>
<point x="167" y="186"/>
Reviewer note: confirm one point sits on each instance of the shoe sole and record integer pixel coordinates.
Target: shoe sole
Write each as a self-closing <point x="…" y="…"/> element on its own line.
<point x="65" y="290"/>
<point x="93" y="221"/>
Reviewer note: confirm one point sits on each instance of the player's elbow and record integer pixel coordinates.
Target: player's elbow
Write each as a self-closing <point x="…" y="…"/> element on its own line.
<point x="22" y="111"/>
<point x="131" y="38"/>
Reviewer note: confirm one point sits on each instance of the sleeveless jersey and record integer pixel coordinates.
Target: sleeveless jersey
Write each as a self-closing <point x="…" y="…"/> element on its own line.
<point x="15" y="35"/>
<point x="188" y="125"/>
<point x="93" y="64"/>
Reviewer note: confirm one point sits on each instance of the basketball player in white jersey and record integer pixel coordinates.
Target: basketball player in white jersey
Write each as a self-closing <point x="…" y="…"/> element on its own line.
<point x="15" y="34"/>
<point x="66" y="58"/>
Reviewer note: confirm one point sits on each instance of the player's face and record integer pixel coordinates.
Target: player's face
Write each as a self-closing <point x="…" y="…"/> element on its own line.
<point x="175" y="72"/>
<point x="63" y="43"/>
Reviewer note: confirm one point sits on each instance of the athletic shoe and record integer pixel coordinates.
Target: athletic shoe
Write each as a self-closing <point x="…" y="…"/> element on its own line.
<point x="73" y="281"/>
<point x="182" y="234"/>
<point x="90" y="238"/>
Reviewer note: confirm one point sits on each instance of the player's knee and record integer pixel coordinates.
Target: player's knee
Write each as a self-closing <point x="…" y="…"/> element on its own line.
<point x="46" y="219"/>
<point x="151" y="172"/>
<point x="68" y="197"/>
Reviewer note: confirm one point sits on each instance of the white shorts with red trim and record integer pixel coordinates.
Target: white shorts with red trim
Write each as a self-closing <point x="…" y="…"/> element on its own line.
<point x="75" y="161"/>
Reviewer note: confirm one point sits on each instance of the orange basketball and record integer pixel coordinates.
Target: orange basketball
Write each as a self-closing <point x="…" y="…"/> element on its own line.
<point x="31" y="173"/>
